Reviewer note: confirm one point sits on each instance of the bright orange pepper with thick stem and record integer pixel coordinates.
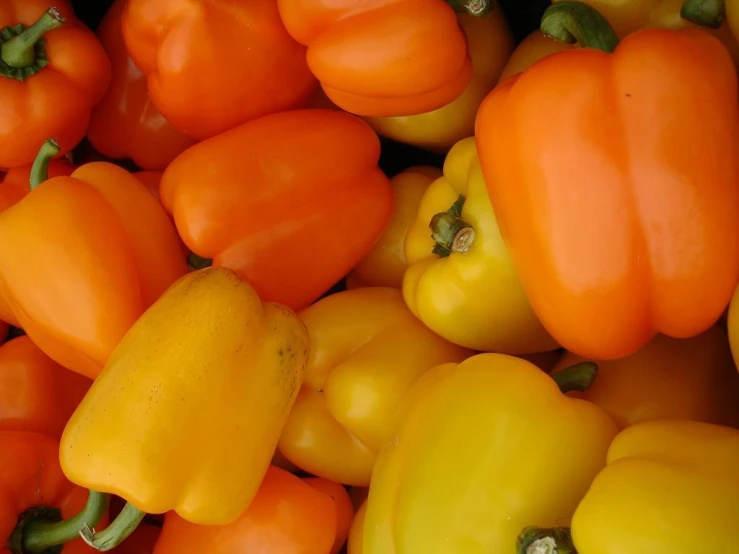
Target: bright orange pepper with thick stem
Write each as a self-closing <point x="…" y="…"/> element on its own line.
<point x="125" y="124"/>
<point x="91" y="252"/>
<point x="51" y="75"/>
<point x="616" y="233"/>
<point x="214" y="65"/>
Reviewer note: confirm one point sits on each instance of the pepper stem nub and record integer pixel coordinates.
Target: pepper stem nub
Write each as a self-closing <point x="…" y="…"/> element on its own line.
<point x="575" y="22"/>
<point x="115" y="533"/>
<point x="534" y="540"/>
<point x="707" y="13"/>
<point x="577" y="377"/>
<point x="450" y="232"/>
<point x="20" y="51"/>
<point x="40" y="167"/>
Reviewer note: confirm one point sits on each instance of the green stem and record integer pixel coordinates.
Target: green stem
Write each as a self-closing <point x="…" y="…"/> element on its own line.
<point x="450" y="232"/>
<point x="534" y="540"/>
<point x="115" y="533"/>
<point x="40" y="167"/>
<point x="42" y="532"/>
<point x="20" y="51"/>
<point x="476" y="8"/>
<point x="707" y="13"/>
<point x="575" y="22"/>
<point x="198" y="262"/>
<point x="577" y="377"/>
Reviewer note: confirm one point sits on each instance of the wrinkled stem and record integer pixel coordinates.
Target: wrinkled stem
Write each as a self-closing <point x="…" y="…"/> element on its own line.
<point x="533" y="540"/>
<point x="577" y="377"/>
<point x="450" y="232"/>
<point x="198" y="262"/>
<point x="575" y="22"/>
<point x="115" y="533"/>
<point x="707" y="13"/>
<point x="40" y="167"/>
<point x="20" y="51"/>
<point x="475" y="8"/>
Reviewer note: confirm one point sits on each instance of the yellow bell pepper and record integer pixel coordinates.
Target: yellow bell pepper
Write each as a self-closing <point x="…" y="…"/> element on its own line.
<point x="462" y="283"/>
<point x="385" y="264"/>
<point x="186" y="413"/>
<point x="354" y="544"/>
<point x="490" y="43"/>
<point x="482" y="449"/>
<point x="732" y="325"/>
<point x="531" y="49"/>
<point x="670" y="487"/>
<point x="668" y="378"/>
<point x="367" y="350"/>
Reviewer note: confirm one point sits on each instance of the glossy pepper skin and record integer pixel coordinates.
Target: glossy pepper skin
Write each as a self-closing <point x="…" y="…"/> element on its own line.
<point x="90" y="253"/>
<point x="343" y="505"/>
<point x="207" y="358"/>
<point x="616" y="234"/>
<point x="490" y="43"/>
<point x="212" y="66"/>
<point x="382" y="58"/>
<point x="36" y="393"/>
<point x="67" y="74"/>
<point x="299" y="201"/>
<point x="125" y="124"/>
<point x="526" y="457"/>
<point x="530" y="50"/>
<point x="471" y="297"/>
<point x="385" y="264"/>
<point x="367" y="350"/>
<point x="693" y="379"/>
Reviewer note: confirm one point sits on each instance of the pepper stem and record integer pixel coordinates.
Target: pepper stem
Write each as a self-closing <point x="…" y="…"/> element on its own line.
<point x="40" y="167"/>
<point x="534" y="540"/>
<point x="115" y="533"/>
<point x="20" y="51"/>
<point x="577" y="377"/>
<point x="707" y="13"/>
<point x="198" y="262"/>
<point x="573" y="22"/>
<point x="37" y="535"/>
<point x="476" y="8"/>
<point x="450" y="232"/>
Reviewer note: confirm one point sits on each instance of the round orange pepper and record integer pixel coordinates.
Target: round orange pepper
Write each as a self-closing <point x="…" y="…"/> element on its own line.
<point x="36" y="393"/>
<point x="287" y="516"/>
<point x="51" y="76"/>
<point x="380" y="58"/>
<point x="211" y="66"/>
<point x="344" y="507"/>
<point x="125" y="124"/>
<point x="616" y="233"/>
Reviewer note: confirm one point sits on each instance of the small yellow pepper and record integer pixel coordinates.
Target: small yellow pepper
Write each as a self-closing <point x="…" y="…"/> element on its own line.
<point x="367" y="350"/>
<point x="354" y="544"/>
<point x="461" y="282"/>
<point x="186" y="413"/>
<point x="385" y="264"/>
<point x="490" y="42"/>
<point x="732" y="325"/>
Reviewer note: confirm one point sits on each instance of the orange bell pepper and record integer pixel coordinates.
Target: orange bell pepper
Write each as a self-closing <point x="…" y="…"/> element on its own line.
<point x="36" y="394"/>
<point x="692" y="379"/>
<point x="299" y="201"/>
<point x="287" y="516"/>
<point x="212" y="66"/>
<point x="343" y="504"/>
<point x="616" y="233"/>
<point x="380" y="58"/>
<point x="90" y="253"/>
<point x="52" y="72"/>
<point x="125" y="124"/>
<point x="17" y="181"/>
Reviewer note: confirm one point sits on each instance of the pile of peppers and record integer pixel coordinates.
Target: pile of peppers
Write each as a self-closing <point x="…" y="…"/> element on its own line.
<point x="228" y="327"/>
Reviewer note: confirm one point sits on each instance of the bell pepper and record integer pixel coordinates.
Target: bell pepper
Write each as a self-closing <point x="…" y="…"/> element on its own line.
<point x="355" y="544"/>
<point x="367" y="350"/>
<point x="125" y="124"/>
<point x="343" y="505"/>
<point x="669" y="486"/>
<point x="530" y="50"/>
<point x="35" y="496"/>
<point x="384" y="59"/>
<point x="482" y="449"/>
<point x="490" y="43"/>
<point x="142" y="541"/>
<point x="616" y="233"/>
<point x="213" y="66"/>
<point x="36" y="394"/>
<point x="52" y="72"/>
<point x="385" y="264"/>
<point x="460" y="279"/>
<point x="692" y="379"/>
<point x="207" y="358"/>
<point x="287" y="516"/>
<point x="90" y="252"/>
<point x="299" y="201"/>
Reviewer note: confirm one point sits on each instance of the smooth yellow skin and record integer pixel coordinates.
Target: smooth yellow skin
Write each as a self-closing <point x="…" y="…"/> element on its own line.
<point x="670" y="487"/>
<point x="732" y="324"/>
<point x="473" y="299"/>
<point x="483" y="449"/>
<point x="385" y="264"/>
<point x="367" y="350"/>
<point x="531" y="49"/>
<point x="187" y="412"/>
<point x="354" y="543"/>
<point x="490" y="42"/>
